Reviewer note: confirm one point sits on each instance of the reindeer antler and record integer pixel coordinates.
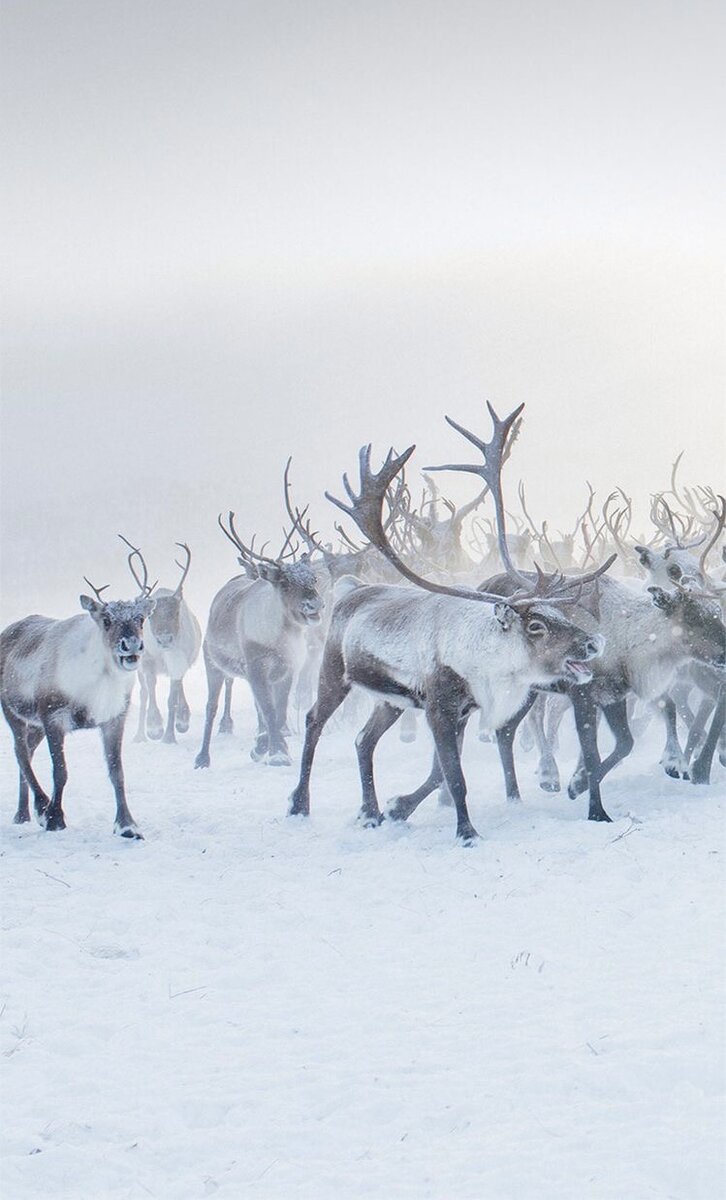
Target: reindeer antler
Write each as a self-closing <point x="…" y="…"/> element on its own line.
<point x="142" y="584"/>
<point x="184" y="569"/>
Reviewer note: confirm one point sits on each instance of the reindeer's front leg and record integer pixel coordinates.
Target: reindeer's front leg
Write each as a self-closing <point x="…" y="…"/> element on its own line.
<point x="112" y="733"/>
<point x="260" y="672"/>
<point x="174" y="686"/>
<point x="154" y="719"/>
<point x="445" y="698"/>
<point x="505" y="740"/>
<point x="701" y="771"/>
<point x="586" y="724"/>
<point x="673" y="759"/>
<point x="143" y="699"/>
<point x="183" y="715"/>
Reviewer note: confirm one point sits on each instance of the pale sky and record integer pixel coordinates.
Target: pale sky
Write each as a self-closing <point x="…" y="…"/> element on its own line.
<point x="235" y="231"/>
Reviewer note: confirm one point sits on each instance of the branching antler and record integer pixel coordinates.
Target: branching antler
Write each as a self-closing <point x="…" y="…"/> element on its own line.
<point x="720" y="520"/>
<point x="97" y="591"/>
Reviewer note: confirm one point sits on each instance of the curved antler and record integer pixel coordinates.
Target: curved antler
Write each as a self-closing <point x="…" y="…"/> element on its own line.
<point x="142" y="584"/>
<point x="184" y="569"/>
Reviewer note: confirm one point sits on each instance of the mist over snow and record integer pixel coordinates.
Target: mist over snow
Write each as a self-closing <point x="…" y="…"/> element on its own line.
<point x="235" y="231"/>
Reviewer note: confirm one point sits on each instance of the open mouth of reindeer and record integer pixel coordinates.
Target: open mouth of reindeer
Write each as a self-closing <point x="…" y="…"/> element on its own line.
<point x="128" y="662"/>
<point x="577" y="670"/>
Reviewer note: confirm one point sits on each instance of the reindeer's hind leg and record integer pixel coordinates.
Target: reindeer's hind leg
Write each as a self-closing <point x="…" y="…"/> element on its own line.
<point x="154" y="721"/>
<point x="444" y="701"/>
<point x="25" y="744"/>
<point x="586" y="723"/>
<point x="401" y="807"/>
<point x="33" y="737"/>
<point x="547" y="773"/>
<point x="226" y="725"/>
<point x="54" y="818"/>
<point x="332" y="690"/>
<point x="382" y="718"/>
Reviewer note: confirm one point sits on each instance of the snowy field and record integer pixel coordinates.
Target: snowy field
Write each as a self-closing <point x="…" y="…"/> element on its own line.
<point x="245" y="1005"/>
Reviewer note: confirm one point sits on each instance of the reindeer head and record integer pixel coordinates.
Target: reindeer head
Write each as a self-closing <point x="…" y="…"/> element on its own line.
<point x="558" y="650"/>
<point x="121" y="623"/>
<point x="674" y="566"/>
<point x="166" y="619"/>
<point x="697" y="622"/>
<point x="296" y="581"/>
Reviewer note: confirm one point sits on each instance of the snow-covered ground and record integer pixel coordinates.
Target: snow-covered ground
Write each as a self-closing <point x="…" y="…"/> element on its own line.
<point x="249" y="1005"/>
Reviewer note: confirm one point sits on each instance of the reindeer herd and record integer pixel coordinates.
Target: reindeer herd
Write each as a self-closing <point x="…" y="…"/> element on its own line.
<point x="429" y="607"/>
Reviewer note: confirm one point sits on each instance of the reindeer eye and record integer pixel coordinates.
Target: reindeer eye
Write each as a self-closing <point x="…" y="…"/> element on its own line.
<point x="106" y="621"/>
<point x="536" y="628"/>
<point x="674" y="572"/>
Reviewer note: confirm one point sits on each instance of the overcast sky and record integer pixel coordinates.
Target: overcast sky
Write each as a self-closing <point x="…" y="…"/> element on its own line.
<point x="235" y="231"/>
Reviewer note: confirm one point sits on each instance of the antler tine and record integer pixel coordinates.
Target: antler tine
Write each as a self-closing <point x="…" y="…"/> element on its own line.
<point x="142" y="584"/>
<point x="97" y="591"/>
<point x="184" y="569"/>
<point x="247" y="552"/>
<point x="298" y="518"/>
<point x="717" y="531"/>
<point x="523" y="502"/>
<point x="495" y="453"/>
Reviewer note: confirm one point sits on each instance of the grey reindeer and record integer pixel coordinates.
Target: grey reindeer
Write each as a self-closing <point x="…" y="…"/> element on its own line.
<point x="257" y="631"/>
<point x="443" y="653"/>
<point x="60" y="675"/>
<point x="173" y="641"/>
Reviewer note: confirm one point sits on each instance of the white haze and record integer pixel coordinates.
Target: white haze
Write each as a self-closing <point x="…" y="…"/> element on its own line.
<point x="236" y="231"/>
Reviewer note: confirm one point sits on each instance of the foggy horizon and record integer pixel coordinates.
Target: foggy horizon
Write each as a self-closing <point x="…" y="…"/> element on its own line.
<point x="238" y="231"/>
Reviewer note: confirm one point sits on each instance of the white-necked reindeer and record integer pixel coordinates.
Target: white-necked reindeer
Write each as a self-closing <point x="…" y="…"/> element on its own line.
<point x="173" y="641"/>
<point x="444" y="653"/>
<point x="256" y="631"/>
<point x="58" y="676"/>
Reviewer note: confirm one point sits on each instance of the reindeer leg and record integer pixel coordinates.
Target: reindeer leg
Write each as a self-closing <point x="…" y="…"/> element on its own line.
<point x="112" y="733"/>
<point x="445" y="699"/>
<point x="586" y="725"/>
<point x="673" y="760"/>
<point x="154" y="722"/>
<point x="262" y="741"/>
<point x="215" y="679"/>
<point x="505" y="740"/>
<point x="332" y="690"/>
<point x="616" y="716"/>
<point x="54" y="818"/>
<point x="143" y="700"/>
<point x="701" y="770"/>
<point x="226" y="725"/>
<point x="408" y="725"/>
<point x="260" y="668"/>
<point x="33" y="735"/>
<point x="21" y="737"/>
<point x="547" y="773"/>
<point x="183" y="714"/>
<point x="382" y="718"/>
<point x="169" y="737"/>
<point x="698" y="728"/>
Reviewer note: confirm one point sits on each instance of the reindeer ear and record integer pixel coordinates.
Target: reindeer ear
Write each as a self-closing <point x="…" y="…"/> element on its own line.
<point x="663" y="599"/>
<point x="94" y="607"/>
<point x="505" y="615"/>
<point x="147" y="605"/>
<point x="644" y="555"/>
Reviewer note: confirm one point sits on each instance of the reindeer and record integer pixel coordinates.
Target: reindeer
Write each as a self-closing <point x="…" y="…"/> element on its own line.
<point x="440" y="652"/>
<point x="256" y="631"/>
<point x="58" y="676"/>
<point x="173" y="640"/>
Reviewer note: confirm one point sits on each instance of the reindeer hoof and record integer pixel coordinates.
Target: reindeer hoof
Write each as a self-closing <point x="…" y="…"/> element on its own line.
<point x="169" y="739"/>
<point x="298" y="807"/>
<point x="576" y="786"/>
<point x="140" y="737"/>
<point x="21" y="818"/>
<point x="129" y="832"/>
<point x="226" y="726"/>
<point x="53" y="821"/>
<point x="279" y="759"/>
<point x="468" y="837"/>
<point x="371" y="820"/>
<point x="549" y="785"/>
<point x="182" y="725"/>
<point x="155" y="734"/>
<point x="600" y="815"/>
<point x="202" y="760"/>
